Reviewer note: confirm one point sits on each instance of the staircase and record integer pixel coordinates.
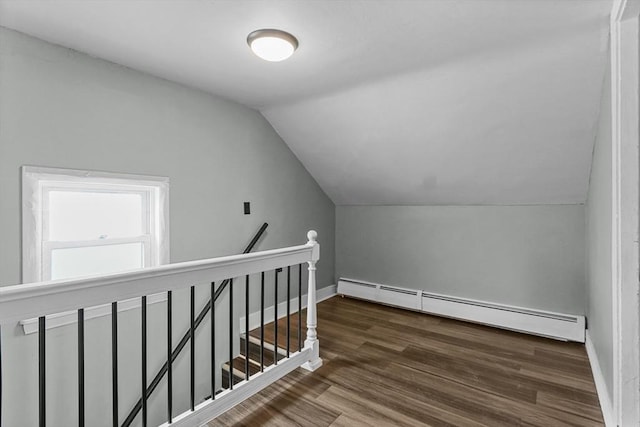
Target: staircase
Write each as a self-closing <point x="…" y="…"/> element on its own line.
<point x="264" y="349"/>
<point x="267" y="353"/>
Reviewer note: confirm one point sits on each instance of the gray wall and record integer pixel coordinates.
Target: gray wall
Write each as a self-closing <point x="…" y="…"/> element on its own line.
<point x="599" y="286"/>
<point x="61" y="108"/>
<point x="530" y="256"/>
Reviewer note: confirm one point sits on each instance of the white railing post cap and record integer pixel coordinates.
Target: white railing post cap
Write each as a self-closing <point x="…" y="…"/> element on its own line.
<point x="312" y="235"/>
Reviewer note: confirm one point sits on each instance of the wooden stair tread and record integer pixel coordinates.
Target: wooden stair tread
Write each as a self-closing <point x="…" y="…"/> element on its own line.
<point x="269" y="332"/>
<point x="239" y="363"/>
<point x="254" y="351"/>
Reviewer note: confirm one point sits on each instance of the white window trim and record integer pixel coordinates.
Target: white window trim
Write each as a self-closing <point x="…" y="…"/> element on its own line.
<point x="33" y="259"/>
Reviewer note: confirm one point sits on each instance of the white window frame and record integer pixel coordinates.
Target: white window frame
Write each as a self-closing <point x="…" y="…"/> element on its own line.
<point x="149" y="219"/>
<point x="38" y="182"/>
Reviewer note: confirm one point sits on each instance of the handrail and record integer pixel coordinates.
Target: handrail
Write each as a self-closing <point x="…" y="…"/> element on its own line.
<point x="308" y="357"/>
<point x="45" y="298"/>
<point x="187" y="335"/>
<point x="18" y="302"/>
<point x="248" y="249"/>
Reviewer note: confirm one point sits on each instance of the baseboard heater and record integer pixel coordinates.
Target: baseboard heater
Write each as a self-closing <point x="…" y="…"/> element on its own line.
<point x="553" y="325"/>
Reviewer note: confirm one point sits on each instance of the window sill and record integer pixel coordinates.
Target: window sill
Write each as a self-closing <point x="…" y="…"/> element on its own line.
<point x="30" y="326"/>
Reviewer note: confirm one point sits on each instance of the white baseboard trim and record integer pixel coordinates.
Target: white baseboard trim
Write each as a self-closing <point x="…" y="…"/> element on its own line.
<point x="566" y="327"/>
<point x="254" y="318"/>
<point x="601" y="385"/>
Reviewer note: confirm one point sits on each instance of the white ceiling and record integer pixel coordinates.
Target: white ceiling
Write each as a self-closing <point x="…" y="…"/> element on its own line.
<point x="385" y="102"/>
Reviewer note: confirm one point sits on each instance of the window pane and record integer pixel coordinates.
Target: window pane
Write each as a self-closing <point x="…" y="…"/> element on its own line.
<point x="87" y="261"/>
<point x="79" y="215"/>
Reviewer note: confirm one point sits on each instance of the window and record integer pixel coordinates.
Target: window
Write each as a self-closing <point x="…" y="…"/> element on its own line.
<point x="84" y="223"/>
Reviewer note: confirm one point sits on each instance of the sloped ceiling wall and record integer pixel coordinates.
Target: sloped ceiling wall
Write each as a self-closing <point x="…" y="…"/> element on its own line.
<point x="513" y="126"/>
<point x="385" y="102"/>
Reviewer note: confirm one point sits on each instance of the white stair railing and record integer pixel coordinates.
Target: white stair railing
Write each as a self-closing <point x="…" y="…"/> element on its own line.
<point x="37" y="300"/>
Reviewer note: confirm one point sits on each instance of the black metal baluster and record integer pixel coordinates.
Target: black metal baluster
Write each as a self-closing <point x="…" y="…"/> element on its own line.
<point x="262" y="322"/>
<point x="213" y="341"/>
<point x="300" y="307"/>
<point x="41" y="372"/>
<point x="288" y="308"/>
<point x="169" y="361"/>
<point x="246" y="327"/>
<point x="81" y="367"/>
<point x="184" y="340"/>
<point x="144" y="361"/>
<point x="275" y="323"/>
<point x="192" y="356"/>
<point x="114" y="363"/>
<point x="231" y="334"/>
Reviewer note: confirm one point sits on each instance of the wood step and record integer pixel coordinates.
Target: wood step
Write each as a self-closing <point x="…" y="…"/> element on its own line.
<point x="269" y="332"/>
<point x="238" y="372"/>
<point x="254" y="350"/>
<point x="240" y="362"/>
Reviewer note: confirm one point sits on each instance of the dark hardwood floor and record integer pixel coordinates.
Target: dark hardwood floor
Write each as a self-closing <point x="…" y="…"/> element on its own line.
<point x="386" y="366"/>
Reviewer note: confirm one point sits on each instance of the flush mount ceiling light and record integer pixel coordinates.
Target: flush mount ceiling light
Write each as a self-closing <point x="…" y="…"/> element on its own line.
<point x="272" y="45"/>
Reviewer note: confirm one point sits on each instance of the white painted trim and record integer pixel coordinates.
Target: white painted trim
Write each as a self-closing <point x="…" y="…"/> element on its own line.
<point x="18" y="302"/>
<point x="254" y="318"/>
<point x="57" y="320"/>
<point x="625" y="256"/>
<point x="323" y="294"/>
<point x="544" y="323"/>
<point x="616" y="14"/>
<point x="601" y="386"/>
<point x="210" y="409"/>
<point x="38" y="181"/>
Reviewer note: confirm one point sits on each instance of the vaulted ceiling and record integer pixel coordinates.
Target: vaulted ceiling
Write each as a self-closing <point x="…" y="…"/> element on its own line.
<point x="385" y="102"/>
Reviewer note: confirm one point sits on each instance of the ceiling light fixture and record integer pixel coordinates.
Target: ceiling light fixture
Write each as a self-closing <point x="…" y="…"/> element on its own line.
<point x="272" y="45"/>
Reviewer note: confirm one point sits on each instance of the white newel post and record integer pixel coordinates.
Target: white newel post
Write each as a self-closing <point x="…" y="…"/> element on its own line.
<point x="312" y="319"/>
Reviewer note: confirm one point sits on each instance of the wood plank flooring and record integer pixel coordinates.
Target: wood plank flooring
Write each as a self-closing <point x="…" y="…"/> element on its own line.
<point x="386" y="366"/>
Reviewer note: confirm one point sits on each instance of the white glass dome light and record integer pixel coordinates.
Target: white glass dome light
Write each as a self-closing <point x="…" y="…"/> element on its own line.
<point x="272" y="45"/>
